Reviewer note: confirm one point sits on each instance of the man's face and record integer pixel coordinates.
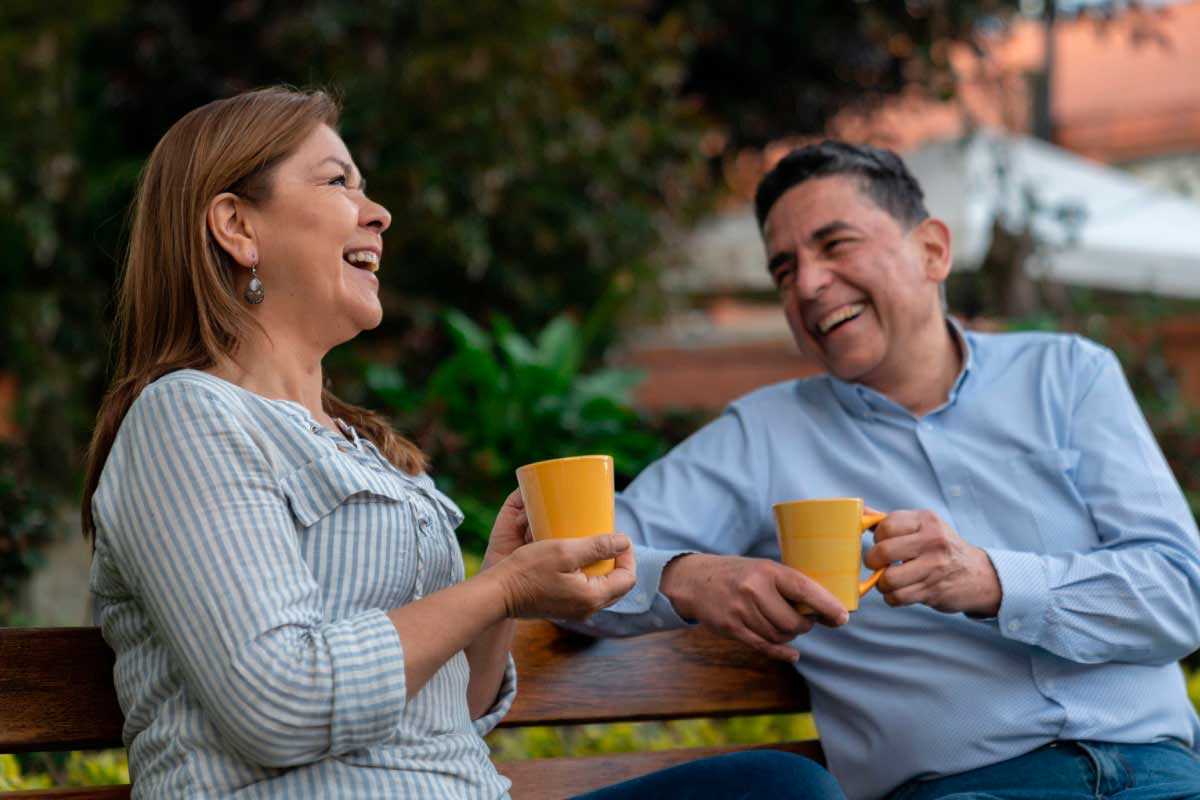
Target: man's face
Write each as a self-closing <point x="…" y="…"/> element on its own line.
<point x="856" y="287"/>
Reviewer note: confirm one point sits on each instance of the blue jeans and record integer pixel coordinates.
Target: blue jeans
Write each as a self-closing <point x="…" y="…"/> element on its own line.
<point x="746" y="775"/>
<point x="1073" y="771"/>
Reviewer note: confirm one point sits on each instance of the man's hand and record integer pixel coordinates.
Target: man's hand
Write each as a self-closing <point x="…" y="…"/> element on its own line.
<point x="939" y="569"/>
<point x="751" y="600"/>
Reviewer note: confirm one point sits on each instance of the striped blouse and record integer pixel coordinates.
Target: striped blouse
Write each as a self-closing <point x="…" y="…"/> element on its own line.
<point x="245" y="560"/>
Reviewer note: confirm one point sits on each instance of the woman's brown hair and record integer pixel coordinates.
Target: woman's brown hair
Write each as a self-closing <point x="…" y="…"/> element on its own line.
<point x="177" y="304"/>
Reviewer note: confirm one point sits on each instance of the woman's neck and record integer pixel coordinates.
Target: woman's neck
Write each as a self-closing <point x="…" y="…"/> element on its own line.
<point x="275" y="373"/>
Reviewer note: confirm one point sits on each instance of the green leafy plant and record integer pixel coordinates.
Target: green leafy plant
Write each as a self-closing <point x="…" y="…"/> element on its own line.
<point x="501" y="400"/>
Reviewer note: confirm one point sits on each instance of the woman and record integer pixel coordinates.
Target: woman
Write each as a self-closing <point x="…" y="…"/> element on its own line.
<point x="276" y="573"/>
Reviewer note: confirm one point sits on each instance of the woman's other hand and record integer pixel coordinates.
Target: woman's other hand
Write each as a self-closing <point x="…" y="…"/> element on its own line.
<point x="545" y="579"/>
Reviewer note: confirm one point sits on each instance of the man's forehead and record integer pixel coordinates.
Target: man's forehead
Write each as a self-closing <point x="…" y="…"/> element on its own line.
<point x="817" y="204"/>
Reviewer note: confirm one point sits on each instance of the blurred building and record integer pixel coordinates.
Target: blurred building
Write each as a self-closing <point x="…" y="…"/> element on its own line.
<point x="1123" y="93"/>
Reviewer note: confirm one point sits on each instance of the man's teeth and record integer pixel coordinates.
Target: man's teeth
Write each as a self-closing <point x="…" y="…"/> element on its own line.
<point x="364" y="258"/>
<point x="835" y="318"/>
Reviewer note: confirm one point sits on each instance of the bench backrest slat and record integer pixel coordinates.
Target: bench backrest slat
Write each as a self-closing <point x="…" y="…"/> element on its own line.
<point x="56" y="689"/>
<point x="564" y="678"/>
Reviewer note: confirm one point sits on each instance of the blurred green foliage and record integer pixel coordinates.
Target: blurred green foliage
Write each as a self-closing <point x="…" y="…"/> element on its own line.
<point x="26" y="526"/>
<point x="500" y="400"/>
<point x="44" y="770"/>
<point x="625" y="737"/>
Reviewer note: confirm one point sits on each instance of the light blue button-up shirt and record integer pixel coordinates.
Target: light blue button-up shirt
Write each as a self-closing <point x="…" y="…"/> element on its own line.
<point x="1040" y="456"/>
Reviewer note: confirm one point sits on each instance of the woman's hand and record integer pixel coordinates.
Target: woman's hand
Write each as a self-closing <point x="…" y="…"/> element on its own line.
<point x="544" y="579"/>
<point x="509" y="531"/>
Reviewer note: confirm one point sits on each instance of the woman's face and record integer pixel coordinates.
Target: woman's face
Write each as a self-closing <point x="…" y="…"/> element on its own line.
<point x="320" y="243"/>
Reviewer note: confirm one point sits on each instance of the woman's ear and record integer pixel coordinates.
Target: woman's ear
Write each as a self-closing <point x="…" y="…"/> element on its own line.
<point x="229" y="225"/>
<point x="933" y="236"/>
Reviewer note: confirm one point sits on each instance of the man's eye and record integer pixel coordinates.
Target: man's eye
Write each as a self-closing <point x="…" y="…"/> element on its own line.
<point x="835" y="245"/>
<point x="340" y="180"/>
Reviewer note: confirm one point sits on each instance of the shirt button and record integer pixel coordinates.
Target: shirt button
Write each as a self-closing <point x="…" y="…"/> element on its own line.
<point x="1014" y="626"/>
<point x="925" y="426"/>
<point x="1049" y="686"/>
<point x="955" y="491"/>
<point x="314" y="429"/>
<point x="424" y="523"/>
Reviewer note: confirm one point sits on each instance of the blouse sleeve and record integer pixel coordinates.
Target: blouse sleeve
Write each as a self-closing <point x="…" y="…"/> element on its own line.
<point x="195" y="520"/>
<point x="504" y="700"/>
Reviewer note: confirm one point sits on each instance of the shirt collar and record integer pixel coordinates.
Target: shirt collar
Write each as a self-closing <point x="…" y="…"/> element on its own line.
<point x="864" y="401"/>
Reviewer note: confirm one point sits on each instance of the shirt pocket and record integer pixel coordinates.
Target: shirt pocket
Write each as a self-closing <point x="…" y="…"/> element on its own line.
<point x="318" y="488"/>
<point x="1028" y="502"/>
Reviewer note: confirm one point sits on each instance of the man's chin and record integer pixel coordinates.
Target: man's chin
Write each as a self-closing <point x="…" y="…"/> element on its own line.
<point x="850" y="370"/>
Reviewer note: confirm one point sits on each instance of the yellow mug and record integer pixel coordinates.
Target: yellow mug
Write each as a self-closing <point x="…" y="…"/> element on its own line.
<point x="823" y="539"/>
<point x="568" y="498"/>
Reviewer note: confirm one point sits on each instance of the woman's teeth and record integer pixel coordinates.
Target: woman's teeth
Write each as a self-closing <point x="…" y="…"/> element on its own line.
<point x="364" y="259"/>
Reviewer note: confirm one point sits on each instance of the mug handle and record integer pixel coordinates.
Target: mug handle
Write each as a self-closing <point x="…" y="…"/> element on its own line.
<point x="870" y="521"/>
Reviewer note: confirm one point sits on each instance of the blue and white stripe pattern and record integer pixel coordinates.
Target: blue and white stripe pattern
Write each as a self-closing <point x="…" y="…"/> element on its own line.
<point x="245" y="561"/>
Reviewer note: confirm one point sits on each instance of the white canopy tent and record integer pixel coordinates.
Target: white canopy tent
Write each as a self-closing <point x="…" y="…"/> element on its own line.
<point x="1095" y="225"/>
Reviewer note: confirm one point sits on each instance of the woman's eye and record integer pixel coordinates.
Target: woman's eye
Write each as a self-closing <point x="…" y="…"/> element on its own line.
<point x="340" y="180"/>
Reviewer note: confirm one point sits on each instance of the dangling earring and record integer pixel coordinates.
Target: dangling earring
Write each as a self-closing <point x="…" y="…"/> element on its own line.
<point x="254" y="290"/>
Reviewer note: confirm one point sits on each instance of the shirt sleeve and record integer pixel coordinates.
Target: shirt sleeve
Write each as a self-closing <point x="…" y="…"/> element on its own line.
<point x="199" y="528"/>
<point x="1135" y="597"/>
<point x="504" y="700"/>
<point x="705" y="496"/>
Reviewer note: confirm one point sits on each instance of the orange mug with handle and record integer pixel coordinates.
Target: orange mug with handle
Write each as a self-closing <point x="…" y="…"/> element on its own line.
<point x="823" y="539"/>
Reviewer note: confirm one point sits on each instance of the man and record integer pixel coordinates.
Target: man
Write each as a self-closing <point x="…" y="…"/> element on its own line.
<point x="1044" y="565"/>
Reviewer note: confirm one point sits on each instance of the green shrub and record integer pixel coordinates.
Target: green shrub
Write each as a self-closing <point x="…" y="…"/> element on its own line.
<point x="501" y="400"/>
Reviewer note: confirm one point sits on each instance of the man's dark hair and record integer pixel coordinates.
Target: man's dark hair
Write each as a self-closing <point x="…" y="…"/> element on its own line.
<point x="882" y="175"/>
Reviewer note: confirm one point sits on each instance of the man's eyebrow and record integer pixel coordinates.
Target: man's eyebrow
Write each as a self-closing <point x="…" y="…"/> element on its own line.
<point x="825" y="231"/>
<point x="348" y="167"/>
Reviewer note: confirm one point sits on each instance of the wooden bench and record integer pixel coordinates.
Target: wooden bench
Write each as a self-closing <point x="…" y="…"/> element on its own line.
<point x="56" y="693"/>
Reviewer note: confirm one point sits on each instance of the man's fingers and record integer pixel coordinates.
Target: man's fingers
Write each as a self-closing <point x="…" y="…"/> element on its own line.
<point x="897" y="577"/>
<point x="800" y="588"/>
<point x="889" y="551"/>
<point x="907" y="596"/>
<point x="783" y="618"/>
<point x="898" y="523"/>
<point x="779" y="652"/>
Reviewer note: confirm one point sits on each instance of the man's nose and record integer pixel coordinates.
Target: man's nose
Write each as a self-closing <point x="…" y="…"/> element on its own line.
<point x="812" y="279"/>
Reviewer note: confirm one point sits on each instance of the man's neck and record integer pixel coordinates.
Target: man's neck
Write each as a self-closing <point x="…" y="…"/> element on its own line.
<point x="926" y="387"/>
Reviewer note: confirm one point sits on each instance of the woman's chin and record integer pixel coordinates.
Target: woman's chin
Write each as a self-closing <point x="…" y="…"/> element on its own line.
<point x="368" y="319"/>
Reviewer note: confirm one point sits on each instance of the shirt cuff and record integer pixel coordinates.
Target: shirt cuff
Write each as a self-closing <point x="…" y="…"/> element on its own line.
<point x="369" y="694"/>
<point x="645" y="593"/>
<point x="504" y="700"/>
<point x="1024" y="594"/>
